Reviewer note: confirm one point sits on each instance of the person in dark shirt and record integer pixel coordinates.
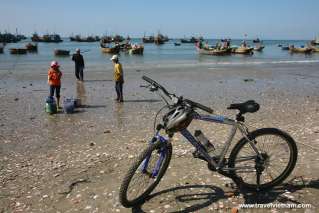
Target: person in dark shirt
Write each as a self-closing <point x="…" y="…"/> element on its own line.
<point x="79" y="64"/>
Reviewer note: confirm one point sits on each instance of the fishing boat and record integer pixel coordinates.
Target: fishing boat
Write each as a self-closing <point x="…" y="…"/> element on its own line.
<point x="284" y="47"/>
<point x="314" y="48"/>
<point x="106" y="39"/>
<point x="59" y="52"/>
<point x="78" y="38"/>
<point x="256" y="40"/>
<point x="18" y="51"/>
<point x="31" y="47"/>
<point x="259" y="48"/>
<point x="149" y="39"/>
<point x="191" y="40"/>
<point x="214" y="51"/>
<point x="111" y="50"/>
<point x="294" y="49"/>
<point x="10" y="38"/>
<point x="315" y="41"/>
<point x="243" y="50"/>
<point x="177" y="44"/>
<point x="159" y="39"/>
<point x="49" y="38"/>
<point x="136" y="50"/>
<point x="118" y="38"/>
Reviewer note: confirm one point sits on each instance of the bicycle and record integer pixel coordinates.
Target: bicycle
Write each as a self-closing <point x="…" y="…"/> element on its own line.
<point x="250" y="163"/>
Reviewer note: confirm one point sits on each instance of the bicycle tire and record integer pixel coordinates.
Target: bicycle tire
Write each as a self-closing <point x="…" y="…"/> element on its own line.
<point x="283" y="175"/>
<point x="128" y="177"/>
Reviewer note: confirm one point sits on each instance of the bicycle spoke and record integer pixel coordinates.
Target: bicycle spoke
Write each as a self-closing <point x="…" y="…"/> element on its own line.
<point x="276" y="154"/>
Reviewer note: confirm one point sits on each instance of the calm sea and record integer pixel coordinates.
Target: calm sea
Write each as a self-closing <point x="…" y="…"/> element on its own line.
<point x="158" y="56"/>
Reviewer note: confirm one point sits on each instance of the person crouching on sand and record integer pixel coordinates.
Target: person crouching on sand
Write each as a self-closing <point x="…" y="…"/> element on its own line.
<point x="118" y="78"/>
<point x="54" y="80"/>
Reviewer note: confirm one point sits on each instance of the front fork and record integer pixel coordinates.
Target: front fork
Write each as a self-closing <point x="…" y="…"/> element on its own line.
<point x="162" y="152"/>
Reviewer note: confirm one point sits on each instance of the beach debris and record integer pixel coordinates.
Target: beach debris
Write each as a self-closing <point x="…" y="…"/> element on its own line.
<point x="107" y="131"/>
<point x="92" y="144"/>
<point x="70" y="185"/>
<point x="16" y="99"/>
<point x="249" y="80"/>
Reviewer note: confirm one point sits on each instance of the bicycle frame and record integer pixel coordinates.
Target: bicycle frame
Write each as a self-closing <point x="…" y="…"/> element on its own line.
<point x="218" y="165"/>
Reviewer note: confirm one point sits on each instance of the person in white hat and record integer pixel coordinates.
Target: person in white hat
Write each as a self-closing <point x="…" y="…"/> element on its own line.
<point x="79" y="64"/>
<point x="118" y="78"/>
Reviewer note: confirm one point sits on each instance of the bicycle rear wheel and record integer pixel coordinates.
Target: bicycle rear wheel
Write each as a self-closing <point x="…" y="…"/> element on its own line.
<point x="279" y="153"/>
<point x="145" y="173"/>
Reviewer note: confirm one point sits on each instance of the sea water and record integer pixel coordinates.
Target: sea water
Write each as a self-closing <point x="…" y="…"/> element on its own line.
<point x="154" y="55"/>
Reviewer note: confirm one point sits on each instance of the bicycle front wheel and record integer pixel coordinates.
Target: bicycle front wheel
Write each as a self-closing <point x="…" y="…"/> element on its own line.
<point x="145" y="173"/>
<point x="279" y="157"/>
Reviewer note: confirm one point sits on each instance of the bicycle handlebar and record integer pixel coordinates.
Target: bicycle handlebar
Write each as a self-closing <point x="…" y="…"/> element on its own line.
<point x="199" y="106"/>
<point x="154" y="83"/>
<point x="191" y="103"/>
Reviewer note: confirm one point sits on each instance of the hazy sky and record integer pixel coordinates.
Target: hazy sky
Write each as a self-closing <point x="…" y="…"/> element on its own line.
<point x="267" y="19"/>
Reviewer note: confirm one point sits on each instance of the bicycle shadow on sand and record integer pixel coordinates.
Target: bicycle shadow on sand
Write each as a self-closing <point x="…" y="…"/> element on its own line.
<point x="280" y="193"/>
<point x="186" y="198"/>
<point x="190" y="198"/>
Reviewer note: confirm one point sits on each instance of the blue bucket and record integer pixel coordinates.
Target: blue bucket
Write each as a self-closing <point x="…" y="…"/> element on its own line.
<point x="68" y="105"/>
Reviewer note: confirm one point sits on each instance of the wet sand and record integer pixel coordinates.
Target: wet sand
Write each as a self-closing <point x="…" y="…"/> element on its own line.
<point x="42" y="156"/>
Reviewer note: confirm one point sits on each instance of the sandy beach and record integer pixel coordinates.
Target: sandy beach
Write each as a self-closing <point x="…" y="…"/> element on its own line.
<point x="76" y="162"/>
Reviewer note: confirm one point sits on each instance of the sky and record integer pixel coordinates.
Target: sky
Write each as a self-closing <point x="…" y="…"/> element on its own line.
<point x="266" y="19"/>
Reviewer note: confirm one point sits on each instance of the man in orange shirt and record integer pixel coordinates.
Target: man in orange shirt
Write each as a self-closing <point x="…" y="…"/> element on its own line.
<point x="54" y="80"/>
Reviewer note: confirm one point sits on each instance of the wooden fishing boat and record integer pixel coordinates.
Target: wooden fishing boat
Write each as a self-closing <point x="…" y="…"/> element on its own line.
<point x="137" y="50"/>
<point x="78" y="38"/>
<point x="259" y="48"/>
<point x="59" y="52"/>
<point x="305" y="50"/>
<point x="191" y="40"/>
<point x="177" y="44"/>
<point x="214" y="51"/>
<point x="243" y="50"/>
<point x="18" y="51"/>
<point x="31" y="47"/>
<point x="111" y="50"/>
<point x="118" y="38"/>
<point x="315" y="41"/>
<point x="149" y="39"/>
<point x="49" y="38"/>
<point x="285" y="48"/>
<point x="314" y="48"/>
<point x="106" y="39"/>
<point x="256" y="40"/>
<point x="159" y="39"/>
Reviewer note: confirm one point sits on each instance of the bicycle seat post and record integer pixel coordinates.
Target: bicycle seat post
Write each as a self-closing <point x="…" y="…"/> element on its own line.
<point x="240" y="117"/>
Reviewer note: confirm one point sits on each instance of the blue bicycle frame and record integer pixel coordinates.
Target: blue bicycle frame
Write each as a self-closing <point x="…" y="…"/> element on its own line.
<point x="209" y="118"/>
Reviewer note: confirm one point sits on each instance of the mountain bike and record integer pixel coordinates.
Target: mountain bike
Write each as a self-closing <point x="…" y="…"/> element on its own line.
<point x="260" y="160"/>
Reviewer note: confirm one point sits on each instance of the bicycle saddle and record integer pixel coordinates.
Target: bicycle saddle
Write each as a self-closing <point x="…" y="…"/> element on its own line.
<point x="248" y="106"/>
